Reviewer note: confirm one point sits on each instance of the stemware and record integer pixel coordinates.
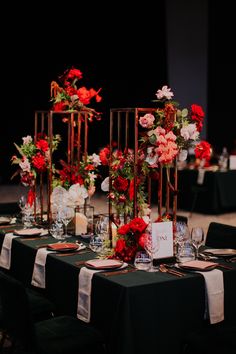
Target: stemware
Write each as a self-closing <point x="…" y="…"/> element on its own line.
<point x="66" y="215"/>
<point x="197" y="236"/>
<point x="151" y="245"/>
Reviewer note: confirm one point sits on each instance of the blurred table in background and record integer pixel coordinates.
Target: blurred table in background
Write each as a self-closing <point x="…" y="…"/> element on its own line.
<point x="216" y="195"/>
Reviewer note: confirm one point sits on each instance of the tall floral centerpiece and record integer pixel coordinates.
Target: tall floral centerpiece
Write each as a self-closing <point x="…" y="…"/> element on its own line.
<point x="166" y="136"/>
<point x="34" y="160"/>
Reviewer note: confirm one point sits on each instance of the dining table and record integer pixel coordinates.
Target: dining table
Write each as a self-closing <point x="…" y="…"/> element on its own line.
<point x="137" y="311"/>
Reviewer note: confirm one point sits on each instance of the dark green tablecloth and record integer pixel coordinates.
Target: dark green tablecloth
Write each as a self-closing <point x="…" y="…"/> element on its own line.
<point x="138" y="312"/>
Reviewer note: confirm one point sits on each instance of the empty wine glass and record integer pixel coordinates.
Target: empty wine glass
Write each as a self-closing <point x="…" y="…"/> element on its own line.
<point x="197" y="236"/>
<point x="181" y="234"/>
<point x="151" y="245"/>
<point x="66" y="215"/>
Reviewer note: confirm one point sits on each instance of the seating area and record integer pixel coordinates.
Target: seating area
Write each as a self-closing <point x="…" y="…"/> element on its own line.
<point x="62" y="334"/>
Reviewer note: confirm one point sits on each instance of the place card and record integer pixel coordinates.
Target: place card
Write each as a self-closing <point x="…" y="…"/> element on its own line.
<point x="162" y="234"/>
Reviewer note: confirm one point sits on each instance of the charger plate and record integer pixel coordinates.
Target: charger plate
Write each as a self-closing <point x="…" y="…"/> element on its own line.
<point x="30" y="232"/>
<point x="202" y="266"/>
<point x="63" y="247"/>
<point x="103" y="264"/>
<point x="221" y="252"/>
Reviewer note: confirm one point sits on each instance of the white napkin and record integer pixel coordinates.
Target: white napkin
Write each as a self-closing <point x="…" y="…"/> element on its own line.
<point x="38" y="277"/>
<point x="84" y="293"/>
<point x="214" y="283"/>
<point x="5" y="257"/>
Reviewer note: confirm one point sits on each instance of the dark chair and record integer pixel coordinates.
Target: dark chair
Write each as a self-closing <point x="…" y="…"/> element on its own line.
<point x="57" y="335"/>
<point x="221" y="236"/>
<point x="40" y="306"/>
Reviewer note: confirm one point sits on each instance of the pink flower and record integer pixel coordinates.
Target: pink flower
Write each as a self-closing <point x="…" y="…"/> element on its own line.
<point x="147" y="120"/>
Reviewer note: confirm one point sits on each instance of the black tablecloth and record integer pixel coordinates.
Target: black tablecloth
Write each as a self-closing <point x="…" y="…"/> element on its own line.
<point x="216" y="195"/>
<point x="138" y="312"/>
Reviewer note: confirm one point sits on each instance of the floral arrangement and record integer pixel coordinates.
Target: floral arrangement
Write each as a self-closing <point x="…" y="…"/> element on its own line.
<point x="84" y="173"/>
<point x="170" y="131"/>
<point x="66" y="96"/>
<point x="130" y="238"/>
<point x="122" y="181"/>
<point x="34" y="157"/>
<point x="72" y="197"/>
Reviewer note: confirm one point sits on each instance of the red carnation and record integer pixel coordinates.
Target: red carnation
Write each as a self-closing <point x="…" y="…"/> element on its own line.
<point x="42" y="145"/>
<point x="39" y="162"/>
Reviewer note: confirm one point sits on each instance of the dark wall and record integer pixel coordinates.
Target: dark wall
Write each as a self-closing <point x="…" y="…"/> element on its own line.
<point x="123" y="53"/>
<point x="221" y="71"/>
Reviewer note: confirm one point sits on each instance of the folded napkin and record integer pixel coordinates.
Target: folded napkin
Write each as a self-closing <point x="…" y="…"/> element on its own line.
<point x="214" y="285"/>
<point x="84" y="293"/>
<point x="5" y="257"/>
<point x="38" y="277"/>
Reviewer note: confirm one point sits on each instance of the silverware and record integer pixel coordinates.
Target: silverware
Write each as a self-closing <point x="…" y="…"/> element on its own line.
<point x="163" y="269"/>
<point x="118" y="272"/>
<point x="71" y="253"/>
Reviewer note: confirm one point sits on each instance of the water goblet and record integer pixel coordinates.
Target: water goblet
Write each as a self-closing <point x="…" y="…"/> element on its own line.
<point x="151" y="245"/>
<point x="197" y="236"/>
<point x="66" y="215"/>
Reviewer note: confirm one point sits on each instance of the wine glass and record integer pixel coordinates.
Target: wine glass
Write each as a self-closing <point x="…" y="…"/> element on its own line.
<point x="151" y="245"/>
<point x="197" y="236"/>
<point x="66" y="215"/>
<point x="181" y="234"/>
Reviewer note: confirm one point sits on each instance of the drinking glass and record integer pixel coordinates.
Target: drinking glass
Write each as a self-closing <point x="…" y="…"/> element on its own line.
<point x="181" y="234"/>
<point x="142" y="260"/>
<point x="197" y="236"/>
<point x="151" y="245"/>
<point x="66" y="215"/>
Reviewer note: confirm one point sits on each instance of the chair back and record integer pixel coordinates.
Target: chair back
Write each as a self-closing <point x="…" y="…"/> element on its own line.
<point x="221" y="236"/>
<point x="16" y="319"/>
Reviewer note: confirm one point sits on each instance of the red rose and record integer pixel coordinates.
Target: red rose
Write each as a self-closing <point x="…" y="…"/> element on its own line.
<point x="120" y="245"/>
<point x="203" y="150"/>
<point x="120" y="184"/>
<point x="124" y="229"/>
<point x="197" y="115"/>
<point x="137" y="225"/>
<point x="141" y="240"/>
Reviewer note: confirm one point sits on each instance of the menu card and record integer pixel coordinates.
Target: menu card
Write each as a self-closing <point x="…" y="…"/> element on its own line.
<point x="162" y="235"/>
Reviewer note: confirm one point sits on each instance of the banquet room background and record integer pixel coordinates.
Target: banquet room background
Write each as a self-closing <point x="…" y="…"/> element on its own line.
<point x="129" y="53"/>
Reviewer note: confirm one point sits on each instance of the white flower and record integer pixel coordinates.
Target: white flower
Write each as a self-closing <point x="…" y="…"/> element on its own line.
<point x="105" y="185"/>
<point x="77" y="194"/>
<point x="189" y="132"/>
<point x="95" y="160"/>
<point x="27" y="140"/>
<point x="25" y="165"/>
<point x="164" y="93"/>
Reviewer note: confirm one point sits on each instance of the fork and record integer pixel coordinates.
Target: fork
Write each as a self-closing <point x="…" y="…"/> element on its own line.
<point x="163" y="269"/>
